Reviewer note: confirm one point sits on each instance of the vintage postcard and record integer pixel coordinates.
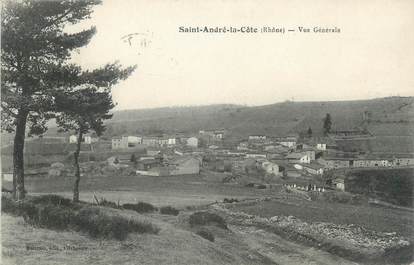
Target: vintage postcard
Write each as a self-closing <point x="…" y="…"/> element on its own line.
<point x="207" y="132"/>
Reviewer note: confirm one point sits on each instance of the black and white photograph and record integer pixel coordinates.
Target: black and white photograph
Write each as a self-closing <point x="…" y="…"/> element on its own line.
<point x="220" y="132"/>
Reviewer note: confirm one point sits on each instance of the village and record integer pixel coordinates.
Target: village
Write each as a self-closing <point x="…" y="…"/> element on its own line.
<point x="308" y="163"/>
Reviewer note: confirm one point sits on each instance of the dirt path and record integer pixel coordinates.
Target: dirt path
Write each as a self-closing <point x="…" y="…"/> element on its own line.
<point x="281" y="251"/>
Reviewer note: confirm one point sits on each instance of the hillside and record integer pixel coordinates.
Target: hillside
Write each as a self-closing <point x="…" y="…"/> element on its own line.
<point x="391" y="120"/>
<point x="385" y="116"/>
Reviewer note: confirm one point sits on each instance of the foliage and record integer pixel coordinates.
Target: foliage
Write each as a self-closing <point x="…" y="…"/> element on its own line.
<point x="35" y="76"/>
<point x="309" y="132"/>
<point x="207" y="218"/>
<point x="105" y="203"/>
<point x="169" y="210"/>
<point x="327" y="124"/>
<point x="230" y="200"/>
<point x="52" y="199"/>
<point x="343" y="197"/>
<point x="391" y="185"/>
<point x="53" y="216"/>
<point x="133" y="159"/>
<point x="49" y="212"/>
<point x="206" y="235"/>
<point x="140" y="207"/>
<point x="86" y="109"/>
<point x="30" y="73"/>
<point x="98" y="224"/>
<point x="10" y="206"/>
<point x="327" y="177"/>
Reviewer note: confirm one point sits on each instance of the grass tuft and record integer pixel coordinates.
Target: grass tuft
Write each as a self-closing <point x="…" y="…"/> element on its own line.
<point x="98" y="224"/>
<point x="206" y="235"/>
<point x="169" y="210"/>
<point x="54" y="213"/>
<point x="206" y="218"/>
<point x="140" y="207"/>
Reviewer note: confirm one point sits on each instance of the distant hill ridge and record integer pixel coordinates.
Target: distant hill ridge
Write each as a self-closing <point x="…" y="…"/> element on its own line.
<point x="386" y="116"/>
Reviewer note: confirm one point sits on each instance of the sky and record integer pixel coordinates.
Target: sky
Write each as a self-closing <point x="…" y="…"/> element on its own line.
<point x="371" y="57"/>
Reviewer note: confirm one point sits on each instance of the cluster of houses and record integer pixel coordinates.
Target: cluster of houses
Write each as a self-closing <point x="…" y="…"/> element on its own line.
<point x="277" y="157"/>
<point x="186" y="154"/>
<point x="126" y="142"/>
<point x="274" y="155"/>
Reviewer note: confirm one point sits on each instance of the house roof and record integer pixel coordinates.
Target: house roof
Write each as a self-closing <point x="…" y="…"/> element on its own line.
<point x="295" y="155"/>
<point x="338" y="180"/>
<point x="313" y="165"/>
<point x="181" y="159"/>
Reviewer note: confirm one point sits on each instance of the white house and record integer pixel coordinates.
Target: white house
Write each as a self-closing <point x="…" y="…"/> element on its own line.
<point x="133" y="139"/>
<point x="163" y="141"/>
<point x="257" y="137"/>
<point x="289" y="142"/>
<point x="255" y="155"/>
<point x="192" y="141"/>
<point x="73" y="139"/>
<point x="321" y="146"/>
<point x="172" y="141"/>
<point x="271" y="168"/>
<point x="339" y="184"/>
<point x="87" y="139"/>
<point x="126" y="142"/>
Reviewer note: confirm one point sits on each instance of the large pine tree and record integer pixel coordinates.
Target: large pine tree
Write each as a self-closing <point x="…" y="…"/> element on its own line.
<point x="35" y="50"/>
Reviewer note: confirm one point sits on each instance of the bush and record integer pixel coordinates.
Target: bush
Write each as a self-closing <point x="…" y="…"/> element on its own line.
<point x="54" y="217"/>
<point x="231" y="200"/>
<point x="169" y="210"/>
<point x="8" y="205"/>
<point x="261" y="186"/>
<point x="249" y="185"/>
<point x="47" y="215"/>
<point x="206" y="218"/>
<point x="98" y="224"/>
<point x="53" y="213"/>
<point x="52" y="199"/>
<point x="206" y="235"/>
<point x="105" y="203"/>
<point x="140" y="207"/>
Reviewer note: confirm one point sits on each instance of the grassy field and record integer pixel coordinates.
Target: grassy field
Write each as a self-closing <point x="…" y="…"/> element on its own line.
<point x="182" y="191"/>
<point x="370" y="217"/>
<point x="179" y="191"/>
<point x="392" y="185"/>
<point x="178" y="244"/>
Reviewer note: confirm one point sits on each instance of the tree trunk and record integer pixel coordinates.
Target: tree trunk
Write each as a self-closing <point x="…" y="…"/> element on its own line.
<point x="18" y="157"/>
<point x="77" y="168"/>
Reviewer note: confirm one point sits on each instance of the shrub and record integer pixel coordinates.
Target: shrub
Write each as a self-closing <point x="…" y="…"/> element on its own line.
<point x="105" y="203"/>
<point x="50" y="212"/>
<point x="54" y="217"/>
<point x="231" y="200"/>
<point x="206" y="235"/>
<point x="261" y="186"/>
<point x="140" y="207"/>
<point x="250" y="185"/>
<point x="30" y="213"/>
<point x="206" y="218"/>
<point x="52" y="199"/>
<point x="169" y="210"/>
<point x="98" y="224"/>
<point x="8" y="205"/>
